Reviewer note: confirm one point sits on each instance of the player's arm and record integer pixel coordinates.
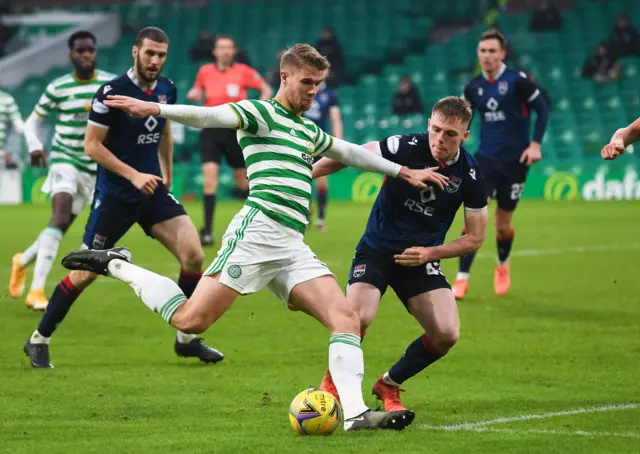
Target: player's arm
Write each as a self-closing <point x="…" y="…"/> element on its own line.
<point x="336" y="122"/>
<point x="620" y="140"/>
<point x="165" y="154"/>
<point x="530" y="95"/>
<point x="46" y="105"/>
<point x="266" y="92"/>
<point x="94" y="148"/>
<point x="326" y="166"/>
<point x="196" y="92"/>
<point x="356" y="156"/>
<point x="223" y="116"/>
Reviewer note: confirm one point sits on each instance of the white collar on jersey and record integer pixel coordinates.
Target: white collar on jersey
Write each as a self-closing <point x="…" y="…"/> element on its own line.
<point x="453" y="160"/>
<point x="498" y="74"/>
<point x="135" y="80"/>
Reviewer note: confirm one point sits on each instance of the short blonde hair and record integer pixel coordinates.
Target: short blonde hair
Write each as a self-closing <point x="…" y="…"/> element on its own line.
<point x="454" y="107"/>
<point x="304" y="55"/>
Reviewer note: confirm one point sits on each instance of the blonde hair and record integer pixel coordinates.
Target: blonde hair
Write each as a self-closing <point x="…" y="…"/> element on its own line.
<point x="304" y="55"/>
<point x="454" y="107"/>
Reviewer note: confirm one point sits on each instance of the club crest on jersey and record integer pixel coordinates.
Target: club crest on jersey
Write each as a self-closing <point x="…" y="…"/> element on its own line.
<point x="453" y="185"/>
<point x="503" y="87"/>
<point x="162" y="99"/>
<point x="309" y="146"/>
<point x="359" y="270"/>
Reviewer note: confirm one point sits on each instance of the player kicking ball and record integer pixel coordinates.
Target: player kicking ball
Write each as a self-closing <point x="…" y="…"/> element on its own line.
<point x="131" y="154"/>
<point x="403" y="242"/>
<point x="263" y="245"/>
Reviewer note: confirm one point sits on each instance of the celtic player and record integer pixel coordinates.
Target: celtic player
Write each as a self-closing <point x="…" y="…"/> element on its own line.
<point x="263" y="246"/>
<point x="72" y="174"/>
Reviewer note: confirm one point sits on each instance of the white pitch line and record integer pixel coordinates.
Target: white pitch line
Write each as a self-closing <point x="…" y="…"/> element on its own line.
<point x="582" y="433"/>
<point x="566" y="250"/>
<point x="471" y="425"/>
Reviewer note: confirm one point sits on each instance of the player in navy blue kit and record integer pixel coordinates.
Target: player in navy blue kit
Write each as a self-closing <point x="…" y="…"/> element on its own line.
<point x="325" y="107"/>
<point x="502" y="98"/>
<point x="403" y="242"/>
<point x="134" y="174"/>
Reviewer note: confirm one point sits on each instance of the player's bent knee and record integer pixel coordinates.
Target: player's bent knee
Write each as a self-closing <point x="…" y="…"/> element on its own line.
<point x="82" y="279"/>
<point x="190" y="322"/>
<point x="192" y="259"/>
<point x="446" y="338"/>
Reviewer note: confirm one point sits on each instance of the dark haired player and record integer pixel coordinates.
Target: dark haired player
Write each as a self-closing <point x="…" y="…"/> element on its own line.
<point x="134" y="176"/>
<point x="404" y="240"/>
<point x="503" y="98"/>
<point x="72" y="174"/>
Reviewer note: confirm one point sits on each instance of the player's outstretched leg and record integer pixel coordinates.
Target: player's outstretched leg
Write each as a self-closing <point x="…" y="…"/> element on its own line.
<point x="461" y="286"/>
<point x="437" y="313"/>
<point x="159" y="293"/>
<point x="321" y="298"/>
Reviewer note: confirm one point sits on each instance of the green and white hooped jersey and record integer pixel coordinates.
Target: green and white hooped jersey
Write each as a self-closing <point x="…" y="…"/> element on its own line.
<point x="70" y="100"/>
<point x="278" y="148"/>
<point x="8" y="113"/>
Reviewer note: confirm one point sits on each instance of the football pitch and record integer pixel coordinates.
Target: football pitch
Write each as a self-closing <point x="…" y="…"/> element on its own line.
<point x="554" y="366"/>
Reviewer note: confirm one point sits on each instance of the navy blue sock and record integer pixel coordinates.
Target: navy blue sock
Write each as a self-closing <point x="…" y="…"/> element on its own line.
<point x="209" y="208"/>
<point x="322" y="202"/>
<point x="418" y="355"/>
<point x="188" y="282"/>
<point x="504" y="246"/>
<point x="61" y="300"/>
<point x="467" y="259"/>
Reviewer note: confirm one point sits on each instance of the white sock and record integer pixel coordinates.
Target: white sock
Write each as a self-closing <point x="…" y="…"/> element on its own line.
<point x="37" y="338"/>
<point x="159" y="293"/>
<point x="48" y="244"/>
<point x="463" y="276"/>
<point x="501" y="263"/>
<point x="185" y="338"/>
<point x="30" y="254"/>
<point x="346" y="364"/>
<point x="389" y="381"/>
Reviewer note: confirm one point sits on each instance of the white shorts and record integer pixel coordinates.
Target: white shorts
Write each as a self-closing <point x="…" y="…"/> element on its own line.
<point x="258" y="252"/>
<point x="66" y="178"/>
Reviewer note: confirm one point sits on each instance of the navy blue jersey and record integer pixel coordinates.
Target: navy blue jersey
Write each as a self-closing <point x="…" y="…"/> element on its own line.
<point x="404" y="216"/>
<point x="135" y="141"/>
<point x="319" y="111"/>
<point x="503" y="106"/>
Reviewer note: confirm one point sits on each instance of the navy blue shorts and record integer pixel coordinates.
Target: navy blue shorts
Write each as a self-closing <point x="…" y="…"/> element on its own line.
<point x="111" y="217"/>
<point x="379" y="269"/>
<point x="504" y="181"/>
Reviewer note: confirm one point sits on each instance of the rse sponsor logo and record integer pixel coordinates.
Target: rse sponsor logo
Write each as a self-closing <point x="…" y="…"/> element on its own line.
<point x="146" y="139"/>
<point x="426" y="195"/>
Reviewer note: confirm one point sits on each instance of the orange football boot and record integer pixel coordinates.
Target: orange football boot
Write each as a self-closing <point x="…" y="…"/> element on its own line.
<point x="502" y="279"/>
<point x="460" y="288"/>
<point x="328" y="385"/>
<point x="18" y="277"/>
<point x="389" y="395"/>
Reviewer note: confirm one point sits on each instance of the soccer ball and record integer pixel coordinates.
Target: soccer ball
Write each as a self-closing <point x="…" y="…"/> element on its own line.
<point x="315" y="412"/>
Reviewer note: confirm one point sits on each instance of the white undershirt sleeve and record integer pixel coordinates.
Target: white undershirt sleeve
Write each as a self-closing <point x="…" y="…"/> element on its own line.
<point x="201" y="117"/>
<point x="356" y="156"/>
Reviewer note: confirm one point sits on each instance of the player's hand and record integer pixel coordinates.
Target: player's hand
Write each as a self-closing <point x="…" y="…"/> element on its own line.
<point x="417" y="177"/>
<point x="134" y="107"/>
<point x="531" y="155"/>
<point x="195" y="94"/>
<point x="38" y="158"/>
<point x="613" y="149"/>
<point x="414" y="256"/>
<point x="146" y="182"/>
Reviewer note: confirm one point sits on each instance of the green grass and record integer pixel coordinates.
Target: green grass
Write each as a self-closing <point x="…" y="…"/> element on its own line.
<point x="566" y="337"/>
